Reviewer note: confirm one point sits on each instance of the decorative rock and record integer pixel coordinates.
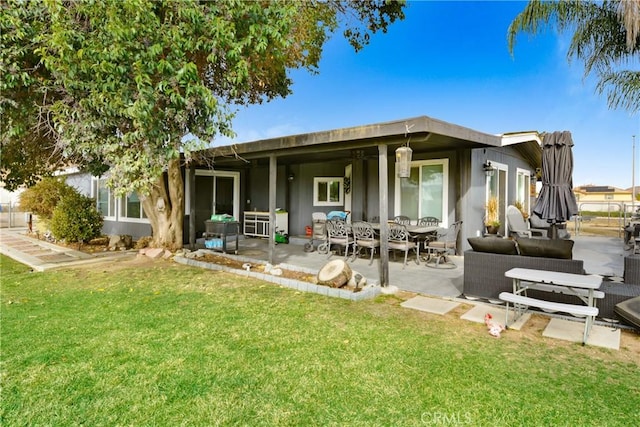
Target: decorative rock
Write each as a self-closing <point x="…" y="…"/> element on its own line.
<point x="122" y="242"/>
<point x="154" y="253"/>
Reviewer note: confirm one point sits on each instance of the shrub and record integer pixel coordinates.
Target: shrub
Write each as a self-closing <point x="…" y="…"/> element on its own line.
<point x="42" y="198"/>
<point x="76" y="219"/>
<point x="143" y="242"/>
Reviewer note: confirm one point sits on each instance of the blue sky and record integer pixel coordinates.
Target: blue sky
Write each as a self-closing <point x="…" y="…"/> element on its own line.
<point x="450" y="61"/>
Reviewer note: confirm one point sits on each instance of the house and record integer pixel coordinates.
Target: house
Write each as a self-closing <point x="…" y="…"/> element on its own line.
<point x="453" y="170"/>
<point x="604" y="198"/>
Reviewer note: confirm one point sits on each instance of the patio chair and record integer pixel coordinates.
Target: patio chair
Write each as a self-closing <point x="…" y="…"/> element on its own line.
<point x="339" y="233"/>
<point x="544" y="227"/>
<point x="402" y="219"/>
<point x="400" y="240"/>
<point x="365" y="238"/>
<point x="446" y="242"/>
<point x="427" y="221"/>
<point x="518" y="227"/>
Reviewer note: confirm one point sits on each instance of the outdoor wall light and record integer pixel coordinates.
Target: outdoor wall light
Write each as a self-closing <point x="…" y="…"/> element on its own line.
<point x="403" y="161"/>
<point x="290" y="177"/>
<point x="488" y="169"/>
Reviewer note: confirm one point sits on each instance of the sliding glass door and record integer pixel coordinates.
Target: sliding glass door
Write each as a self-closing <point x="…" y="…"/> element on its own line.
<point x="425" y="192"/>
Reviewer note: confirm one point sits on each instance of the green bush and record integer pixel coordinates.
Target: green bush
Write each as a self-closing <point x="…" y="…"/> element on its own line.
<point x="42" y="198"/>
<point x="76" y="219"/>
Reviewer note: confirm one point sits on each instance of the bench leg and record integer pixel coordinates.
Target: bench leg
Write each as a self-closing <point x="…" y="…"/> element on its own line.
<point x="506" y="316"/>
<point x="588" y="322"/>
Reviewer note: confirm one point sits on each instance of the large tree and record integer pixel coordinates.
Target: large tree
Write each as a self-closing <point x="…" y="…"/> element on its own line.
<point x="28" y="150"/>
<point x="606" y="37"/>
<point x="122" y="82"/>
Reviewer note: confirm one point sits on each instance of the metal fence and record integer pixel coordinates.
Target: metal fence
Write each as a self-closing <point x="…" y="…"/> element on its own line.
<point x="12" y="216"/>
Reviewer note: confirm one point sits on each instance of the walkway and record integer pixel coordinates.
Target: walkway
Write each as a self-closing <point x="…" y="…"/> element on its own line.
<point x="41" y="256"/>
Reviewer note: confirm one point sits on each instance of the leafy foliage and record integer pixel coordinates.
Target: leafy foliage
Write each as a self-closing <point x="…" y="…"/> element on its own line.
<point x="27" y="147"/>
<point x="122" y="83"/>
<point x="42" y="198"/>
<point x="76" y="219"/>
<point x="605" y="37"/>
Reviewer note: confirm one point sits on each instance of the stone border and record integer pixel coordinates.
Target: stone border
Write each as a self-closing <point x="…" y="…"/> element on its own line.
<point x="367" y="292"/>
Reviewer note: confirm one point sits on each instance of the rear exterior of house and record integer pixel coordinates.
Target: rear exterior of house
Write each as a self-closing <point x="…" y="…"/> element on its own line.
<point x="452" y="173"/>
<point x="354" y="169"/>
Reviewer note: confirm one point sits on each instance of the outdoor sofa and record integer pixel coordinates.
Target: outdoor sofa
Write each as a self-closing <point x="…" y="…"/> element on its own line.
<point x="490" y="257"/>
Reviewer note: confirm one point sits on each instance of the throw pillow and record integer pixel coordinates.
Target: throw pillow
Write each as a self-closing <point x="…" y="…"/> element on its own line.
<point x="546" y="248"/>
<point x="495" y="245"/>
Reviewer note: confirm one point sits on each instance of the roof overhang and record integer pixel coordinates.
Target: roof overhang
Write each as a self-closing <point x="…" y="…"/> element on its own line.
<point x="528" y="144"/>
<point x="424" y="134"/>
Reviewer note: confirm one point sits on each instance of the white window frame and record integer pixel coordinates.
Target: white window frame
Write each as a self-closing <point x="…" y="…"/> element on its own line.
<point x="123" y="212"/>
<point x="328" y="181"/>
<point x="444" y="216"/>
<point x="213" y="173"/>
<point x="524" y="199"/>
<point x="501" y="195"/>
<point x="95" y="187"/>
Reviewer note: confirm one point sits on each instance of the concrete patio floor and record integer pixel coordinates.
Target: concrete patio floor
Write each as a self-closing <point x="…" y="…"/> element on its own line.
<point x="601" y="255"/>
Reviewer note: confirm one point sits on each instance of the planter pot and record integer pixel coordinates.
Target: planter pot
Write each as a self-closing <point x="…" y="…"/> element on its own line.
<point x="492" y="229"/>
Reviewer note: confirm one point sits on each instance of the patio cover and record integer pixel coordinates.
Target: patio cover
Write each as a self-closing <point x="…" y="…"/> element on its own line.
<point x="556" y="202"/>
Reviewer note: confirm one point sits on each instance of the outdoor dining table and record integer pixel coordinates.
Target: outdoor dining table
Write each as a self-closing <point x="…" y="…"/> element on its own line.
<point x="414" y="230"/>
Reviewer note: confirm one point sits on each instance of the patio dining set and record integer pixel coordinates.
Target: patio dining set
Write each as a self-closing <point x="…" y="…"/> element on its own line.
<point x="436" y="243"/>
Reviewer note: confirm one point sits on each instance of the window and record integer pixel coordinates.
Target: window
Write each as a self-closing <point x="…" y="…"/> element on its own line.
<point x="328" y="192"/>
<point x="497" y="187"/>
<point x="425" y="192"/>
<point x="132" y="207"/>
<point x="105" y="203"/>
<point x="608" y="196"/>
<point x="523" y="183"/>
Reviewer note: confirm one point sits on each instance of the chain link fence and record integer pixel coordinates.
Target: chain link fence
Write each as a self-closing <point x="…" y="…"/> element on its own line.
<point x="13" y="216"/>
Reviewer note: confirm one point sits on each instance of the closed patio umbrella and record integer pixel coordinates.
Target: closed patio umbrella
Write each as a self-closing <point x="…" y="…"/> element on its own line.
<point x="556" y="202"/>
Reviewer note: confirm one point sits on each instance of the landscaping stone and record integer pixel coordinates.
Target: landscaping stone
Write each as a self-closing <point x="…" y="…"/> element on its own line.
<point x="367" y="292"/>
<point x="154" y="253"/>
<point x="121" y="242"/>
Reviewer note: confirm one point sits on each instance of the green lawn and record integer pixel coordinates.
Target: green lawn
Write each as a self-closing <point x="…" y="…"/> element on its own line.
<point x="161" y="344"/>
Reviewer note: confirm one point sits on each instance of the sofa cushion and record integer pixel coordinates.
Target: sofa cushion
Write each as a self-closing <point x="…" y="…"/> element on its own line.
<point x="629" y="310"/>
<point x="495" y="245"/>
<point x="554" y="248"/>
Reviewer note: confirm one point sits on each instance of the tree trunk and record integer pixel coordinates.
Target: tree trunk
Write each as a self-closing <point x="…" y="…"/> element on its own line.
<point x="164" y="207"/>
<point x="335" y="274"/>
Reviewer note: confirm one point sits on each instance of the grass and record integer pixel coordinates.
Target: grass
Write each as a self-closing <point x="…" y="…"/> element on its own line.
<point x="161" y="344"/>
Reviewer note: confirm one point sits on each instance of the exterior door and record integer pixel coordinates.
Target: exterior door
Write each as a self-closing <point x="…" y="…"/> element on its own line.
<point x="217" y="193"/>
<point x="425" y="192"/>
<point x="497" y="187"/>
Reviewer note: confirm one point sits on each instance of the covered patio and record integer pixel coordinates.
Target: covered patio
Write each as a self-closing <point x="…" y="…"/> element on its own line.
<point x="446" y="174"/>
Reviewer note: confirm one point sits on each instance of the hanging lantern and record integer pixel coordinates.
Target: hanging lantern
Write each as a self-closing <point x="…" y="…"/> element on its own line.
<point x="403" y="161"/>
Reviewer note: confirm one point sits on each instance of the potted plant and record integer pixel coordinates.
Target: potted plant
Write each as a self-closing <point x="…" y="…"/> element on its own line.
<point x="492" y="220"/>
